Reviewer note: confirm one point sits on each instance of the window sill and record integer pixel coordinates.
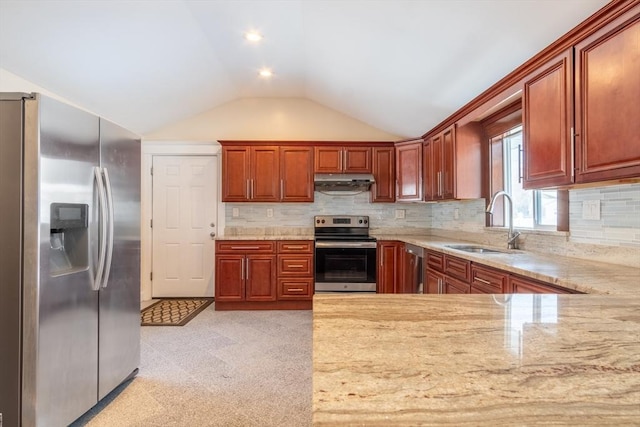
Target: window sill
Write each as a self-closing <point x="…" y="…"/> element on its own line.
<point x="528" y="231"/>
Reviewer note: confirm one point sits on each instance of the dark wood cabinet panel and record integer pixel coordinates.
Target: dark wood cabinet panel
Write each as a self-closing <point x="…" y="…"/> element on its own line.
<point x="295" y="246"/>
<point x="457" y="267"/>
<point x="522" y="285"/>
<point x="295" y="265"/>
<point x="296" y="174"/>
<point x="434" y="282"/>
<point x="328" y="160"/>
<point x="607" y="110"/>
<point x="235" y="174"/>
<point x="229" y="278"/>
<point x="295" y="288"/>
<point x="265" y="173"/>
<point x="351" y="159"/>
<point x="389" y="271"/>
<point x="548" y="118"/>
<point x="448" y="168"/>
<point x="384" y="173"/>
<point x="428" y="174"/>
<point x="245" y="246"/>
<point x="357" y="160"/>
<point x="409" y="172"/>
<point x="435" y="260"/>
<point x="260" y="278"/>
<point x="454" y="286"/>
<point x="488" y="280"/>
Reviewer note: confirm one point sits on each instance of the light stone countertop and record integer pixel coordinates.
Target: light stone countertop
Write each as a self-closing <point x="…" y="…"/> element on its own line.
<point x="581" y="275"/>
<point x="476" y="360"/>
<point x="267" y="237"/>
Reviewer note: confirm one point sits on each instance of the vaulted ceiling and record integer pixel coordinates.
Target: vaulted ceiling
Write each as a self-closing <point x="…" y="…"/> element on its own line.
<point x="401" y="66"/>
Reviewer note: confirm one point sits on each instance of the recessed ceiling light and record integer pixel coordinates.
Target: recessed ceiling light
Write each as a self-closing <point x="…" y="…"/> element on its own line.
<point x="265" y="72"/>
<point x="253" y="36"/>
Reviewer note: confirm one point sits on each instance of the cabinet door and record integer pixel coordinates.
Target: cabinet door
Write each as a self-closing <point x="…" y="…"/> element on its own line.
<point x="265" y="174"/>
<point x="295" y="288"/>
<point x="448" y="168"/>
<point x="260" y="278"/>
<point x="296" y="174"/>
<point x="328" y="160"/>
<point x="230" y="270"/>
<point x="384" y="173"/>
<point x="436" y="161"/>
<point x="521" y="285"/>
<point x="608" y="102"/>
<point x="433" y="282"/>
<point x="409" y="172"/>
<point x="428" y="171"/>
<point x="235" y="174"/>
<point x="388" y="268"/>
<point x="357" y="160"/>
<point x="454" y="286"/>
<point x="547" y="117"/>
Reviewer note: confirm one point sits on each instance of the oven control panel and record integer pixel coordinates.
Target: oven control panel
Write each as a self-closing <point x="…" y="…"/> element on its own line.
<point x="351" y="221"/>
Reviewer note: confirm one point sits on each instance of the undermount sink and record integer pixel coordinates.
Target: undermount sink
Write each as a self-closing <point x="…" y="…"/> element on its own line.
<point x="476" y="249"/>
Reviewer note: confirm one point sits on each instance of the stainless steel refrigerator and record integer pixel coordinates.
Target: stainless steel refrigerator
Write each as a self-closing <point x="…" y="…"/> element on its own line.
<point x="69" y="260"/>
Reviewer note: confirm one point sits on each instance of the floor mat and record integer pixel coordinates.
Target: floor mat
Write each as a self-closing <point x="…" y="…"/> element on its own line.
<point x="173" y="311"/>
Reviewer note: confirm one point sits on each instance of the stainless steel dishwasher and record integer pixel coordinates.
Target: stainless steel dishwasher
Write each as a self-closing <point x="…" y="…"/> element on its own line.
<point x="413" y="273"/>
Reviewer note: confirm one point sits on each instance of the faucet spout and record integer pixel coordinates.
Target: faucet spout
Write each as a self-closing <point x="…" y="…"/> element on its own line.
<point x="512" y="238"/>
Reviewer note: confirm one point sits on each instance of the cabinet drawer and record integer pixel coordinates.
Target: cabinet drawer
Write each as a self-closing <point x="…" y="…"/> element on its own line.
<point x="453" y="286"/>
<point x="295" y="246"/>
<point x="521" y="285"/>
<point x="298" y="288"/>
<point x="295" y="265"/>
<point x="245" y="246"/>
<point x="435" y="260"/>
<point x="457" y="267"/>
<point x="487" y="280"/>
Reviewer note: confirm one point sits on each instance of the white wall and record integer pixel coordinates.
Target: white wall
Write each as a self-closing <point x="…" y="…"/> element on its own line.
<point x="271" y="119"/>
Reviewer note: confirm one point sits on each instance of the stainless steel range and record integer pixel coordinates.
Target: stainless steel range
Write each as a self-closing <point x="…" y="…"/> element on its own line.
<point x="345" y="254"/>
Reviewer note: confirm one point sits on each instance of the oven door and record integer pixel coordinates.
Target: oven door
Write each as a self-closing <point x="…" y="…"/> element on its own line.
<point x="345" y="266"/>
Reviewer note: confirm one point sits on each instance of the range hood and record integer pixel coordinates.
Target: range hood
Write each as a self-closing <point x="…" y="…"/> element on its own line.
<point x="343" y="181"/>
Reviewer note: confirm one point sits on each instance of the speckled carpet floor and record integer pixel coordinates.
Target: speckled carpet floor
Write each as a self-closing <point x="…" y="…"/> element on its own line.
<point x="224" y="368"/>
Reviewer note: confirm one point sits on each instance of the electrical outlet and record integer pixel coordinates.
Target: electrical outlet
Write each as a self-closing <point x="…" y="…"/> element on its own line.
<point x="400" y="213"/>
<point x="591" y="209"/>
<point x="269" y="213"/>
<point x="235" y="212"/>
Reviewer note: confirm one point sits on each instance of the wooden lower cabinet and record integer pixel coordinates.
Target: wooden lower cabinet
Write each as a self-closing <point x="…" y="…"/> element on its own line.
<point x="522" y="285"/>
<point x="263" y="275"/>
<point x="433" y="282"/>
<point x="455" y="286"/>
<point x="390" y="266"/>
<point x="485" y="280"/>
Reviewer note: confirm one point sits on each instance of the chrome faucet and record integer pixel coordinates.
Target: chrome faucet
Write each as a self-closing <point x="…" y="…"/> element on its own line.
<point x="512" y="238"/>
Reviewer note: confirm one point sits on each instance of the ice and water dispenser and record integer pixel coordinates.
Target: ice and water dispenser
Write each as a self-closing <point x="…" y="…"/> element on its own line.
<point x="69" y="238"/>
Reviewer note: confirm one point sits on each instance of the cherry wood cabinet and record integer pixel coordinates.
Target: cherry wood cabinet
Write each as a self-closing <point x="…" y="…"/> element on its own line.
<point x="592" y="139"/>
<point x="348" y="159"/>
<point x="523" y="285"/>
<point x="295" y="270"/>
<point x="267" y="173"/>
<point x="296" y="174"/>
<point x="390" y="266"/>
<point x="487" y="280"/>
<point x="607" y="108"/>
<point x="446" y="274"/>
<point x="548" y="121"/>
<point x="384" y="173"/>
<point x="245" y="271"/>
<point x="452" y="163"/>
<point x="250" y="173"/>
<point x="409" y="171"/>
<point x="455" y="286"/>
<point x="433" y="282"/>
<point x="457" y="267"/>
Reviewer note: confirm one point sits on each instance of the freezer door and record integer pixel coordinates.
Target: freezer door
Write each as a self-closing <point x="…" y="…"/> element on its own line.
<point x="119" y="344"/>
<point x="60" y="357"/>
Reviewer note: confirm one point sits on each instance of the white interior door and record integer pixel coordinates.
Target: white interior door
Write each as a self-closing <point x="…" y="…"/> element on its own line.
<point x="184" y="220"/>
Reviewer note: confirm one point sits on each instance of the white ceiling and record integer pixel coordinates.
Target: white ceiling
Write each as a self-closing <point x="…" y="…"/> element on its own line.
<point x="401" y="66"/>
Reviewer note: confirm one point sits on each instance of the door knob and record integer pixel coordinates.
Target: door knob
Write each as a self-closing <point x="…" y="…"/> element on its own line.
<point x="212" y="234"/>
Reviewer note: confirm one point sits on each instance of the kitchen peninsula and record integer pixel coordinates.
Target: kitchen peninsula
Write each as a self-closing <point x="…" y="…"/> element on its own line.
<point x="476" y="360"/>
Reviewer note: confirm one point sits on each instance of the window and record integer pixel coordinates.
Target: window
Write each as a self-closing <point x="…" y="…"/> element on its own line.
<point x="531" y="208"/>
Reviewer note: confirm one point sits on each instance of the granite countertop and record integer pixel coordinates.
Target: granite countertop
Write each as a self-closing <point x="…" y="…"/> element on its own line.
<point x="581" y="275"/>
<point x="471" y="360"/>
<point x="267" y="237"/>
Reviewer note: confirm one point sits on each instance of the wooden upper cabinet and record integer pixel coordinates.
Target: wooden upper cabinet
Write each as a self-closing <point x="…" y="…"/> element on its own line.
<point x="547" y="123"/>
<point x="607" y="110"/>
<point x="350" y="159"/>
<point x="448" y="168"/>
<point x="296" y="174"/>
<point x="384" y="173"/>
<point x="264" y="184"/>
<point x="409" y="171"/>
<point x="235" y="174"/>
<point x="429" y="186"/>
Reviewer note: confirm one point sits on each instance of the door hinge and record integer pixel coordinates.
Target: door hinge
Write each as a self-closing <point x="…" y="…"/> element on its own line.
<point x="151" y="276"/>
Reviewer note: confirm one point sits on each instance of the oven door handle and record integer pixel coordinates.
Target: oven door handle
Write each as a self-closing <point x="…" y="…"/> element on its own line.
<point x="345" y="245"/>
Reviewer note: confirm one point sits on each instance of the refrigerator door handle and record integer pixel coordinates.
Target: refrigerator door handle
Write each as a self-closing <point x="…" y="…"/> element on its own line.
<point x="110" y="214"/>
<point x="102" y="227"/>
